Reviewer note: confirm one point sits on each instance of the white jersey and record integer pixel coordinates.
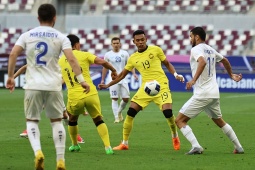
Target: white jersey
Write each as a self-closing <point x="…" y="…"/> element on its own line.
<point x="118" y="61"/>
<point x="43" y="46"/>
<point x="206" y="86"/>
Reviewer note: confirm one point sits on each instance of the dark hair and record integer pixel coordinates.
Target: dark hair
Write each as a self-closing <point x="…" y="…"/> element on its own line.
<point x="46" y="12"/>
<point x="115" y="38"/>
<point x="138" y="32"/>
<point x="73" y="39"/>
<point x="200" y="32"/>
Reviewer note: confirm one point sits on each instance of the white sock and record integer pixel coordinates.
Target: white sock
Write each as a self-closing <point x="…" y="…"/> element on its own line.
<point x="125" y="142"/>
<point x="115" y="106"/>
<point x="187" y="132"/>
<point x="33" y="133"/>
<point x="227" y="130"/>
<point x="59" y="138"/>
<point x="122" y="106"/>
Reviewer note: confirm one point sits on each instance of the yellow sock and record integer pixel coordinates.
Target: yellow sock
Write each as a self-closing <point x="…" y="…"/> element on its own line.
<point x="73" y="131"/>
<point x="172" y="125"/>
<point x="127" y="127"/>
<point x="103" y="133"/>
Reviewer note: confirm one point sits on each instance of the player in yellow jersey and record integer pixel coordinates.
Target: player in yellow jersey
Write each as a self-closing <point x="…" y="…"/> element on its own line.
<point x="78" y="100"/>
<point x="147" y="60"/>
<point x="65" y="116"/>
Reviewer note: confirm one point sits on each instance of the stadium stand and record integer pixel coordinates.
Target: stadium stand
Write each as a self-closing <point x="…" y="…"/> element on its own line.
<point x="177" y="6"/>
<point x="16" y="5"/>
<point x="173" y="39"/>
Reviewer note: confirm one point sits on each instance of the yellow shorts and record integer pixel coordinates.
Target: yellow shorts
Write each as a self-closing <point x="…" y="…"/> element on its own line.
<point x="91" y="103"/>
<point x="143" y="99"/>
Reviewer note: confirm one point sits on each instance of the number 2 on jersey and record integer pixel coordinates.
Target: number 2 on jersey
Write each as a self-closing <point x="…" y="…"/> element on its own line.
<point x="42" y="47"/>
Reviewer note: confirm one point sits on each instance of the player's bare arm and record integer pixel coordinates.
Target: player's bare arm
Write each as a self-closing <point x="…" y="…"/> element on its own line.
<point x="16" y="51"/>
<point x="104" y="71"/>
<point x="235" y="77"/>
<point x="121" y="76"/>
<point x="20" y="71"/>
<point x="171" y="69"/>
<point x="201" y="65"/>
<point x="134" y="74"/>
<point x="107" y="66"/>
<point x="76" y="69"/>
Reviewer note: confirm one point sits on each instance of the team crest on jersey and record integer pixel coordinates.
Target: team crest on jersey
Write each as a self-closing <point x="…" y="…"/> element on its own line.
<point x="151" y="56"/>
<point x="122" y="55"/>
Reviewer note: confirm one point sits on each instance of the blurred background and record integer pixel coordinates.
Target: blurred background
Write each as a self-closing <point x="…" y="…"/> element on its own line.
<point x="229" y="25"/>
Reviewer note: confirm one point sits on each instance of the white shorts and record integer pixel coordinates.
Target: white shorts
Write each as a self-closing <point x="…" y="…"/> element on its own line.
<point x="36" y="100"/>
<point x="194" y="106"/>
<point x="119" y="90"/>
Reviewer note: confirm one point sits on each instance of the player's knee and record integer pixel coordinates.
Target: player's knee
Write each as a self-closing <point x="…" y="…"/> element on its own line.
<point x="131" y="112"/>
<point x="168" y="113"/>
<point x="73" y="123"/>
<point x="99" y="122"/>
<point x="125" y="100"/>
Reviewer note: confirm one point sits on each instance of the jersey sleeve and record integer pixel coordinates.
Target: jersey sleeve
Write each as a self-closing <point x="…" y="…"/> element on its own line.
<point x="66" y="44"/>
<point x="196" y="53"/>
<point x="161" y="54"/>
<point x="127" y="54"/>
<point x="91" y="58"/>
<point x="21" y="42"/>
<point x="106" y="57"/>
<point x="129" y="66"/>
<point x="218" y="56"/>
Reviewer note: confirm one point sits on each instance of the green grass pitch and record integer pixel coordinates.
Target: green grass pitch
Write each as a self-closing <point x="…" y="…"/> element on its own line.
<point x="150" y="141"/>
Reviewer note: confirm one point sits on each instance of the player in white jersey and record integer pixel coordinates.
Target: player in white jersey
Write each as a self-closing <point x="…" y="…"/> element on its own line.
<point x="203" y="59"/>
<point x="43" y="46"/>
<point x="118" y="58"/>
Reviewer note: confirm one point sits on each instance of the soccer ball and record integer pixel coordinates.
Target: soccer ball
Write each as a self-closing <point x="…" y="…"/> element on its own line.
<point x="152" y="87"/>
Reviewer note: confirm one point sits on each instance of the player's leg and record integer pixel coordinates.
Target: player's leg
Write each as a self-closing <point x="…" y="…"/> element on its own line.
<point x="114" y="93"/>
<point x="164" y="101"/>
<point x="74" y="109"/>
<point x="128" y="125"/>
<point x="139" y="101"/>
<point x="33" y="105"/>
<point x="65" y="120"/>
<point x="73" y="132"/>
<point x="54" y="111"/>
<point x="214" y="112"/>
<point x="168" y="113"/>
<point x="190" y="110"/>
<point x="125" y="94"/>
<point x="94" y="108"/>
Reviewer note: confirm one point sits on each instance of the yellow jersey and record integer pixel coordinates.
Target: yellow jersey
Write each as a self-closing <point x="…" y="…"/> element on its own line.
<point x="148" y="63"/>
<point x="75" y="90"/>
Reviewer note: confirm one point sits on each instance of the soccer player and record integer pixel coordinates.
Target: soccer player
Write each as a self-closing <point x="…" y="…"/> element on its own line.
<point x="65" y="116"/>
<point x="147" y="60"/>
<point x="43" y="46"/>
<point x="206" y="91"/>
<point x="77" y="99"/>
<point x="118" y="58"/>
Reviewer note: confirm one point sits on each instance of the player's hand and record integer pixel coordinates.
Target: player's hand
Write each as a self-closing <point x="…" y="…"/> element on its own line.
<point x="85" y="86"/>
<point x="180" y="78"/>
<point x="102" y="82"/>
<point x="136" y="77"/>
<point x="114" y="75"/>
<point x="102" y="86"/>
<point x="190" y="84"/>
<point x="237" y="77"/>
<point x="10" y="84"/>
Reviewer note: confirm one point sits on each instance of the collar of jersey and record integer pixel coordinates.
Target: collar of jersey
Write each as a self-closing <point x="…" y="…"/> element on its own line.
<point x="143" y="50"/>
